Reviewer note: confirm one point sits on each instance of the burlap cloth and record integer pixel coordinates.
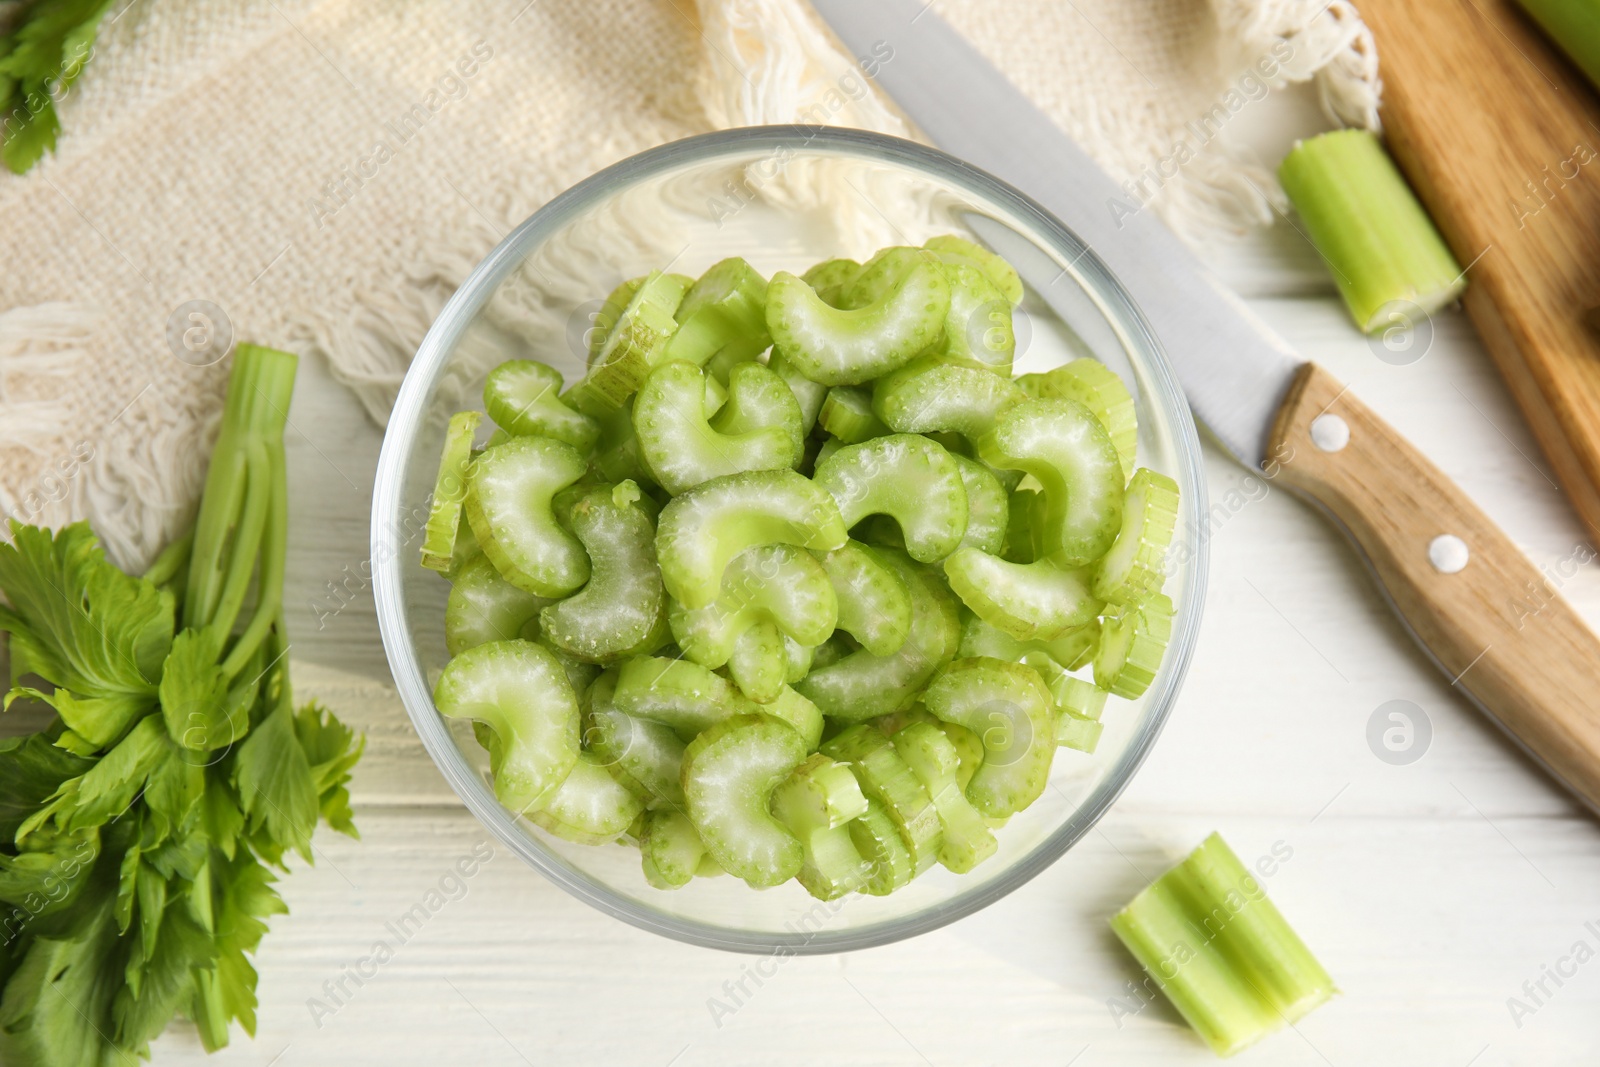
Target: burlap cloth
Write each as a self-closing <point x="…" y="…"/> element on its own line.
<point x="325" y="173"/>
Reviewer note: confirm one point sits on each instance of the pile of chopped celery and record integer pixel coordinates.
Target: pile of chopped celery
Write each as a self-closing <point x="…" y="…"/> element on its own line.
<point x="799" y="580"/>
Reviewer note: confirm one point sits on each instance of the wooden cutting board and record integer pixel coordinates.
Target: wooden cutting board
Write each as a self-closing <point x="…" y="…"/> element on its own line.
<point x="1500" y="136"/>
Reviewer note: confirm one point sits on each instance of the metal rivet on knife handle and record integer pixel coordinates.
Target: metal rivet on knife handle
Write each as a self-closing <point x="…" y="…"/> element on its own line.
<point x="1498" y="628"/>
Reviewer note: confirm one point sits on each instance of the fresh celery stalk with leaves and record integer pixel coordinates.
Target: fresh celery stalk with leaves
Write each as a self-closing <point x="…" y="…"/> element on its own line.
<point x="140" y="832"/>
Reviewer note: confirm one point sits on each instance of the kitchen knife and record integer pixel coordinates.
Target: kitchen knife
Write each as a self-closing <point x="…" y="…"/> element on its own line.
<point x="1487" y="617"/>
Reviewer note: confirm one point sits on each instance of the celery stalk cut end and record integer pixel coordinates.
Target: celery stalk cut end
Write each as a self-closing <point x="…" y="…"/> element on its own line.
<point x="1220" y="951"/>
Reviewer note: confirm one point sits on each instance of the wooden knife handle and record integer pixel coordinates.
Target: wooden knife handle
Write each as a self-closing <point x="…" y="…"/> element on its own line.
<point x="1496" y="626"/>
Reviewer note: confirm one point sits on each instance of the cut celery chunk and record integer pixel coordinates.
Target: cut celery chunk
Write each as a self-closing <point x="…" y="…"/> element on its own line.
<point x="830" y="277"/>
<point x="928" y="395"/>
<point x="877" y="839"/>
<point x="449" y="493"/>
<point x="886" y="778"/>
<point x="589" y="807"/>
<point x="704" y="529"/>
<point x="1077" y="731"/>
<point x="1008" y="707"/>
<point x="907" y="477"/>
<point x="621" y="612"/>
<point x="847" y="415"/>
<point x="874" y="602"/>
<point x="1097" y="387"/>
<point x="670" y="849"/>
<point x="1002" y="275"/>
<point x="859" y="685"/>
<point x="839" y="347"/>
<point x="1065" y="447"/>
<point x="634" y="345"/>
<point x="817" y="803"/>
<point x="517" y="689"/>
<point x="523" y="397"/>
<point x="729" y="774"/>
<point x="724" y="314"/>
<point x="758" y="428"/>
<point x="988" y="511"/>
<point x="484" y="607"/>
<point x="777" y="584"/>
<point x="1135" y="568"/>
<point x="758" y="664"/>
<point x="644" y="755"/>
<point x="1026" y="600"/>
<point x="808" y="394"/>
<point x="967" y="840"/>
<point x="804" y="716"/>
<point x="509" y="498"/>
<point x="1132" y="642"/>
<point x="683" y="695"/>
<point x="1221" y="951"/>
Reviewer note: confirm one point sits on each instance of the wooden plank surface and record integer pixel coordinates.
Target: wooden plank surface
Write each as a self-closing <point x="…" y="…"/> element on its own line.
<point x="1432" y="891"/>
<point x="1500" y="135"/>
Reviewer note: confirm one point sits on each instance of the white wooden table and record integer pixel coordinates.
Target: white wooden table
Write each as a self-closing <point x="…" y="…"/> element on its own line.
<point x="1431" y="891"/>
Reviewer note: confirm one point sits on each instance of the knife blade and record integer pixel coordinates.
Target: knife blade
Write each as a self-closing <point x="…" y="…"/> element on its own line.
<point x="1489" y="619"/>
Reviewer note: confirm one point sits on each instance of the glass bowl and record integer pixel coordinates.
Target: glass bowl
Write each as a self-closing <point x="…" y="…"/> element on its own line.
<point x="784" y="198"/>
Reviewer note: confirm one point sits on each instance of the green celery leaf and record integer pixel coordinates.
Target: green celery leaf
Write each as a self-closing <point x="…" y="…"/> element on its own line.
<point x="48" y="52"/>
<point x="85" y="626"/>
<point x="221" y="821"/>
<point x="275" y="785"/>
<point x="31" y="770"/>
<point x="108" y="788"/>
<point x="56" y="1009"/>
<point x="174" y="790"/>
<point x="332" y="750"/>
<point x="248" y="900"/>
<point x="49" y="876"/>
<point x="202" y="713"/>
<point x="166" y="981"/>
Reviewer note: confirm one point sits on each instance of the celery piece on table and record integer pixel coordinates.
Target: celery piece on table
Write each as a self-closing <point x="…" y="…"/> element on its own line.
<point x="1385" y="253"/>
<point x="1221" y="951"/>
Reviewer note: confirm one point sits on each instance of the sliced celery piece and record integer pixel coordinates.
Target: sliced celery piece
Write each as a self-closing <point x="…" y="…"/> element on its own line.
<point x="817" y="803"/>
<point x="645" y="756"/>
<point x="929" y="395"/>
<point x="1008" y="707"/>
<point x="484" y="607"/>
<point x="1388" y="259"/>
<point x="1135" y="567"/>
<point x="633" y="345"/>
<point x="873" y="599"/>
<point x="1097" y="387"/>
<point x="449" y="492"/>
<point x="670" y="849"/>
<point x="729" y="774"/>
<point x="830" y="278"/>
<point x="523" y="397"/>
<point x="847" y="415"/>
<point x="1002" y="275"/>
<point x="1077" y="731"/>
<point x="757" y="428"/>
<point x="967" y="840"/>
<point x="1132" y="642"/>
<point x="808" y="394"/>
<point x="1063" y="445"/>
<point x="724" y="314"/>
<point x="878" y="840"/>
<point x="509" y="503"/>
<point x="1027" y="600"/>
<point x="778" y="584"/>
<point x="859" y="685"/>
<point x="1221" y="951"/>
<point x="701" y="531"/>
<point x="622" y="611"/>
<point x="589" y="807"/>
<point x="988" y="511"/>
<point x="518" y="690"/>
<point x="758" y="664"/>
<point x="839" y="347"/>
<point x="794" y="709"/>
<point x="907" y="477"/>
<point x="683" y="695"/>
<point x="888" y="779"/>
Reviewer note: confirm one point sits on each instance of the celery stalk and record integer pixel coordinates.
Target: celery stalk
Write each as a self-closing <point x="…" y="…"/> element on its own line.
<point x="1220" y="951"/>
<point x="1386" y="255"/>
<point x="1574" y="25"/>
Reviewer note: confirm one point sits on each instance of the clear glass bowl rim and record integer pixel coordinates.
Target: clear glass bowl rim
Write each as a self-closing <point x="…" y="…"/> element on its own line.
<point x="432" y="356"/>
